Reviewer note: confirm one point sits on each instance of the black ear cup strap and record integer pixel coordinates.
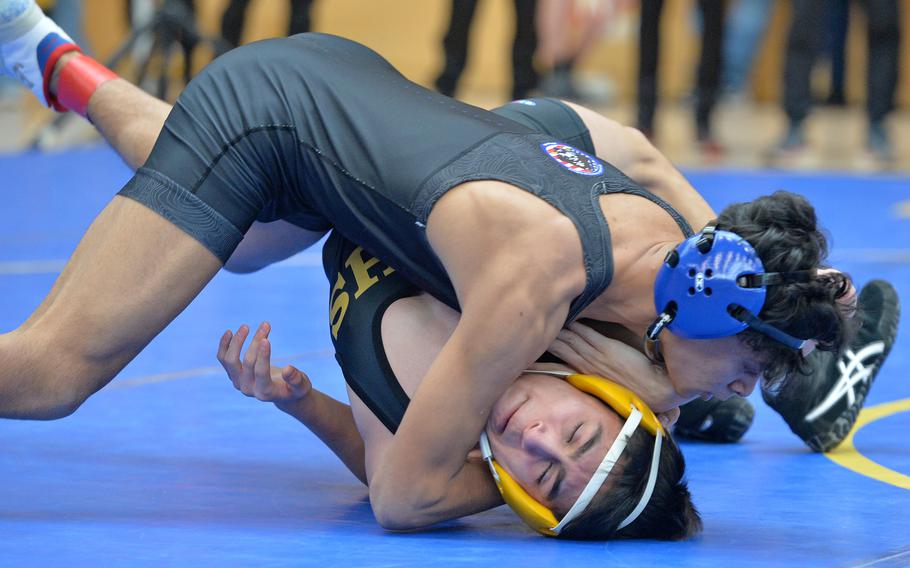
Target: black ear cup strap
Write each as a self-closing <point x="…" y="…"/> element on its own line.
<point x="706" y="237"/>
<point x="747" y="317"/>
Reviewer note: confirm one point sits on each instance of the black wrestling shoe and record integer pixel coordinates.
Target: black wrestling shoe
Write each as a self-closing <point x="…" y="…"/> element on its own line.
<point x="722" y="421"/>
<point x="822" y="408"/>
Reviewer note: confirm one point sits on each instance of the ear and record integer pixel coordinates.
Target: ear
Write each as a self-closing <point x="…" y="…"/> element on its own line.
<point x="475" y="455"/>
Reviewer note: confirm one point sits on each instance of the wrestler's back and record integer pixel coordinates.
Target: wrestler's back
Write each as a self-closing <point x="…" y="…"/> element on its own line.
<point x="507" y="223"/>
<point x="322" y="129"/>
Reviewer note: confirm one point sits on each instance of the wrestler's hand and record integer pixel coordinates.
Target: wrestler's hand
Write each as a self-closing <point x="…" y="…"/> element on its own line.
<point x="669" y="418"/>
<point x="253" y="375"/>
<point x="590" y="352"/>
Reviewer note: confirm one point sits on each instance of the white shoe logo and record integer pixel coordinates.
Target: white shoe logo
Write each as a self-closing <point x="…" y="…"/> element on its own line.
<point x="852" y="372"/>
<point x="18" y="70"/>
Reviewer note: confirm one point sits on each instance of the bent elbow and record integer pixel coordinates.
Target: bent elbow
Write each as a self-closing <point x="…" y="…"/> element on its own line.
<point x="391" y="522"/>
<point x="393" y="516"/>
<point x="400" y="510"/>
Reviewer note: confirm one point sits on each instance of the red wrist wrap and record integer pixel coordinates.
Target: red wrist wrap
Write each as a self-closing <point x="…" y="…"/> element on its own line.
<point x="78" y="81"/>
<point x="49" y="71"/>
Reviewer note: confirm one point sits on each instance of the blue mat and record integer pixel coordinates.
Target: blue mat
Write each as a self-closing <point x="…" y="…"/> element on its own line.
<point x="169" y="465"/>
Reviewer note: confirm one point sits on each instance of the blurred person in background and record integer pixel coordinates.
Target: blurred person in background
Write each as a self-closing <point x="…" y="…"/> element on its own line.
<point x="235" y="14"/>
<point x="455" y="46"/>
<point x="746" y="23"/>
<point x="708" y="76"/>
<point x="839" y="11"/>
<point x="568" y="29"/>
<point x="806" y="41"/>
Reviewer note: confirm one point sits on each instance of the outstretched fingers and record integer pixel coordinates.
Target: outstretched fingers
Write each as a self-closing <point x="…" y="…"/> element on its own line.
<point x="252" y="353"/>
<point x="253" y="374"/>
<point x="241" y="371"/>
<point x="262" y="369"/>
<point x="229" y="356"/>
<point x="297" y="381"/>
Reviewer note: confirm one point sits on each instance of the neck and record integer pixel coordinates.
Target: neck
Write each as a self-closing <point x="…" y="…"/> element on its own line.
<point x="629" y="300"/>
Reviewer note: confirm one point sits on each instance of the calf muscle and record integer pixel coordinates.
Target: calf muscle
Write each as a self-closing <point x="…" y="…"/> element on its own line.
<point x="128" y="118"/>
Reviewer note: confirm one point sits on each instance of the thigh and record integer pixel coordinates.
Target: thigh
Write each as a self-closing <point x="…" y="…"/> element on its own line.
<point x="131" y="275"/>
<point x="267" y="243"/>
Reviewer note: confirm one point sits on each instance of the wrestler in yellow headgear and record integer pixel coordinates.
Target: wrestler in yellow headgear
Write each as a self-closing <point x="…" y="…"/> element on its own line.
<point x="628" y="405"/>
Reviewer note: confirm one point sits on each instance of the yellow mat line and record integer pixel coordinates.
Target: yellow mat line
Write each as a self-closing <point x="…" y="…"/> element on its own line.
<point x="846" y="455"/>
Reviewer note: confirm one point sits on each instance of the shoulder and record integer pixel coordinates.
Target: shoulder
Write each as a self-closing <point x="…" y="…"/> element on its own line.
<point x="504" y="234"/>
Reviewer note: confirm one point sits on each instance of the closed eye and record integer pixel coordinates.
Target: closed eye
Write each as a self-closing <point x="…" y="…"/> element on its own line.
<point x="544" y="474"/>
<point x="574" y="432"/>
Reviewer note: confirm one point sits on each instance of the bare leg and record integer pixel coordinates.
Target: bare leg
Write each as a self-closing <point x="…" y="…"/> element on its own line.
<point x="130" y="120"/>
<point x="131" y="274"/>
<point x="127" y="117"/>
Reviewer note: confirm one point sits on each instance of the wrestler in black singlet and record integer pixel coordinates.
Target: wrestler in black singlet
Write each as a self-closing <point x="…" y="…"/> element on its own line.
<point x="323" y="132"/>
<point x="362" y="287"/>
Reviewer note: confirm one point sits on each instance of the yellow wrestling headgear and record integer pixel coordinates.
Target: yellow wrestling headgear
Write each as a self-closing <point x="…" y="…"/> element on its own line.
<point x="628" y="405"/>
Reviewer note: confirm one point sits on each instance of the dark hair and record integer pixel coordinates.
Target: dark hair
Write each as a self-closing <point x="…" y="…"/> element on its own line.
<point x="669" y="514"/>
<point x="784" y="231"/>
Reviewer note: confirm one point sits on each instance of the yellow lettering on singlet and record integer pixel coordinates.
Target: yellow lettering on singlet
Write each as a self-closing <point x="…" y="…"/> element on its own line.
<point x="339" y="305"/>
<point x="361" y="269"/>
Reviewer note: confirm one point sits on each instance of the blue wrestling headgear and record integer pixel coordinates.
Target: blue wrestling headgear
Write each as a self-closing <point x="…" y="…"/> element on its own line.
<point x="712" y="285"/>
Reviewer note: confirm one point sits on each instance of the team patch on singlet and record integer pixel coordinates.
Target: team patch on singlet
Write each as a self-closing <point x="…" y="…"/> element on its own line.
<point x="573" y="159"/>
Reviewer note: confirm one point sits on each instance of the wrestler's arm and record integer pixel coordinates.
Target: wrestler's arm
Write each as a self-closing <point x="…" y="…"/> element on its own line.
<point x="472" y="491"/>
<point x="424" y="476"/>
<point x="413" y="331"/>
<point x="513" y="305"/>
<point x="333" y="422"/>
<point x="292" y="392"/>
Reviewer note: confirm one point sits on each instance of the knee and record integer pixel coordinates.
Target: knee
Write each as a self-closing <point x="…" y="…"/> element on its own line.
<point x="38" y="398"/>
<point x="56" y="405"/>
<point x="53" y="396"/>
<point x="39" y="384"/>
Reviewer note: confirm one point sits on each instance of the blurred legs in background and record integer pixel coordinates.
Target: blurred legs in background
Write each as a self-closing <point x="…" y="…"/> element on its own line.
<point x="805" y="43"/>
<point x="708" y="75"/>
<point x="235" y="15"/>
<point x="568" y="29"/>
<point x="746" y="25"/>
<point x="455" y="45"/>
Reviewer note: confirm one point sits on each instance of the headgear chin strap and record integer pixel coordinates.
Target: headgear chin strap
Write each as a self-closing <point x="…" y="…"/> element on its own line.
<point x="712" y="285"/>
<point x="627" y="405"/>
